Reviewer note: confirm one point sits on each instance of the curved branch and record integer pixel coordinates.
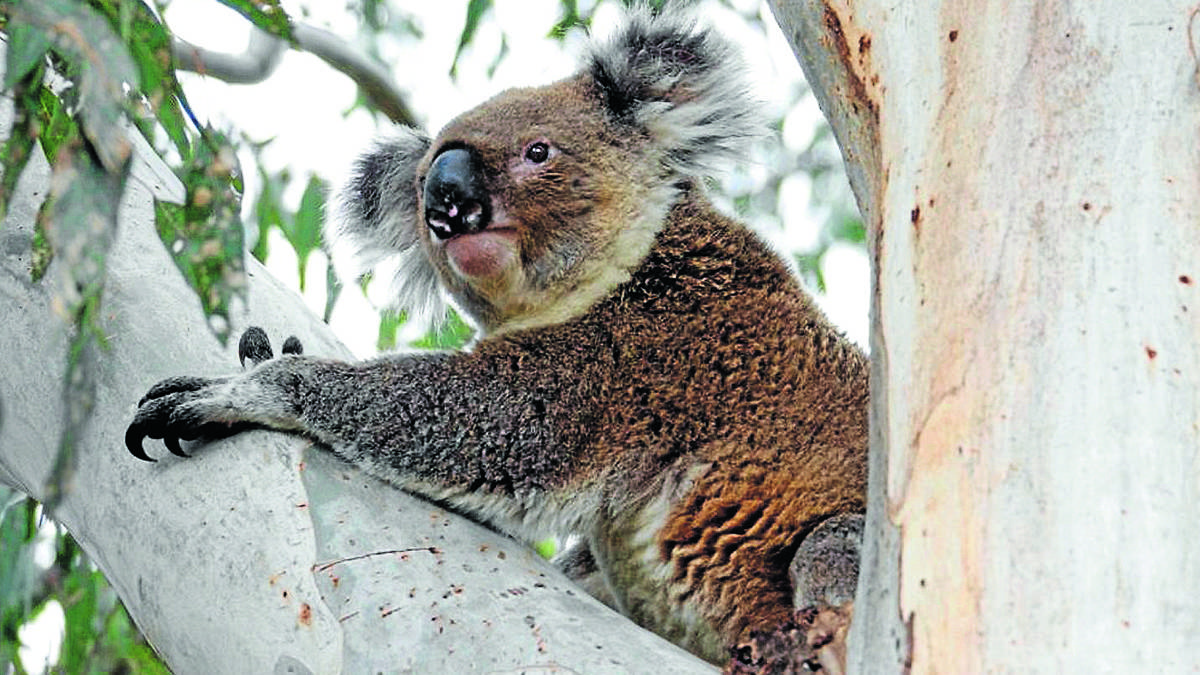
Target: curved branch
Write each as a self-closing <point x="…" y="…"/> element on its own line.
<point x="374" y="80"/>
<point x="264" y="51"/>
<point x="253" y="65"/>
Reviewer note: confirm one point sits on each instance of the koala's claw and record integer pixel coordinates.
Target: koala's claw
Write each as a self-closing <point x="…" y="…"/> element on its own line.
<point x="255" y="346"/>
<point x="292" y="346"/>
<point x="164" y="412"/>
<point x="172" y="444"/>
<point x="133" y="442"/>
<point x="173" y="385"/>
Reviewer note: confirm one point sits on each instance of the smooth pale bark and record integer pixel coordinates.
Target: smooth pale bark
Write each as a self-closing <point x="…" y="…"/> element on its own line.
<point x="1035" y="238"/>
<point x="263" y="553"/>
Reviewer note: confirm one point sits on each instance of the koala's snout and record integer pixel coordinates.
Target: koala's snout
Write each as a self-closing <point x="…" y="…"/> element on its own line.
<point x="456" y="200"/>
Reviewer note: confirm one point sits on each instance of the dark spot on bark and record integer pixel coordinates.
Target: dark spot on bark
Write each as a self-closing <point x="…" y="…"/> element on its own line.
<point x="858" y="90"/>
<point x="1151" y="352"/>
<point x="1185" y="279"/>
<point x="1087" y="206"/>
<point x="953" y="35"/>
<point x="306" y="614"/>
<point x="916" y="215"/>
<point x="864" y="44"/>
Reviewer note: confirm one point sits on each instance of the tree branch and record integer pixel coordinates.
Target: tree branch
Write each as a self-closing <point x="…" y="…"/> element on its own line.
<point x="263" y="53"/>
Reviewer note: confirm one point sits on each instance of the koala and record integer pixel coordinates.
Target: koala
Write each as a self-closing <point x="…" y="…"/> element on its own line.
<point x="649" y="376"/>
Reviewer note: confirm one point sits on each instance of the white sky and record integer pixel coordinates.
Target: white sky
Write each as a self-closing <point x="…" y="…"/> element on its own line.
<point x="302" y="106"/>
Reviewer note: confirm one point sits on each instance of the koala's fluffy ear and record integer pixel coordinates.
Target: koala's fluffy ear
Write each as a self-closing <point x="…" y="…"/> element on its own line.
<point x="683" y="85"/>
<point x="375" y="224"/>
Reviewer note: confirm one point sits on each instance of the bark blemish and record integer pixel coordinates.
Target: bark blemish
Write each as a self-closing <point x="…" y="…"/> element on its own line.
<point x="1151" y="352"/>
<point x="915" y="216"/>
<point x="857" y="69"/>
<point x="1185" y="280"/>
<point x="953" y="35"/>
<point x="1087" y="206"/>
<point x="305" y="614"/>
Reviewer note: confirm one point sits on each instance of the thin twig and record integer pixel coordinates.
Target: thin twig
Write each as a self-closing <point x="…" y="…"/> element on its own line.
<point x="321" y="567"/>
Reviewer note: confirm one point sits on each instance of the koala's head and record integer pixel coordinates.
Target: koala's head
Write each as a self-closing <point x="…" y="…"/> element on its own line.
<point x="530" y="207"/>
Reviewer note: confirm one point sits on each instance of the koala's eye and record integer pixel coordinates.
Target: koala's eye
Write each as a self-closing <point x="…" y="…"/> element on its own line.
<point x="537" y="152"/>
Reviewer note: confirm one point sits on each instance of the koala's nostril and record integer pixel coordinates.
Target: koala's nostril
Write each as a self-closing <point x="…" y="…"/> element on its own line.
<point x="455" y="196"/>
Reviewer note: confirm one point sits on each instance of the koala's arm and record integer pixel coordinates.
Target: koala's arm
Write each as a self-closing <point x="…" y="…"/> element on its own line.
<point x="441" y="424"/>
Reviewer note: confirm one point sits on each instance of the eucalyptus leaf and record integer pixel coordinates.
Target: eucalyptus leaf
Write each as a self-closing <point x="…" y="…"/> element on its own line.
<point x="27" y="47"/>
<point x="265" y="14"/>
<point x="16" y="149"/>
<point x="205" y="236"/>
<point x="97" y="63"/>
<point x="475" y="11"/>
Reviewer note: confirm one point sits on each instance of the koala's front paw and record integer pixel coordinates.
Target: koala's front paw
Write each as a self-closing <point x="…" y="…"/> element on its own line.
<point x="176" y="408"/>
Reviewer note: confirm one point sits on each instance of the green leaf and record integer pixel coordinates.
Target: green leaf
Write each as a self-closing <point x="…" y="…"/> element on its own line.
<point x="18" y="572"/>
<point x="268" y="211"/>
<point x="475" y="11"/>
<point x="57" y="125"/>
<point x="374" y="13"/>
<point x="304" y="232"/>
<point x="27" y="47"/>
<point x="97" y="62"/>
<point x="79" y="600"/>
<point x="149" y="45"/>
<point x="570" y="19"/>
<point x="266" y="14"/>
<point x="810" y="267"/>
<point x="205" y="236"/>
<point x="849" y="229"/>
<point x="81" y="226"/>
<point x="15" y="152"/>
<point x="453" y="333"/>
<point x="500" y="56"/>
<point x="42" y="252"/>
<point x="389" y="321"/>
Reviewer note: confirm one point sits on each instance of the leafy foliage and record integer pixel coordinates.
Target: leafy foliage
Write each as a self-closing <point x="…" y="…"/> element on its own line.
<point x="86" y="78"/>
<point x="98" y="635"/>
<point x="475" y="11"/>
<point x="205" y="235"/>
<point x="265" y="14"/>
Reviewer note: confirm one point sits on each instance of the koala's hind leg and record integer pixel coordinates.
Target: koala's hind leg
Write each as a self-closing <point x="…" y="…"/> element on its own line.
<point x="577" y="562"/>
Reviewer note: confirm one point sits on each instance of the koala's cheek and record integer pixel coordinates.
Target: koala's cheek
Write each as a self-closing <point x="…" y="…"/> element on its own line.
<point x="483" y="255"/>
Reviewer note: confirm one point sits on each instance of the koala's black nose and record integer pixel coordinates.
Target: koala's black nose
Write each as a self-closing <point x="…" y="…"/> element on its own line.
<point x="455" y="197"/>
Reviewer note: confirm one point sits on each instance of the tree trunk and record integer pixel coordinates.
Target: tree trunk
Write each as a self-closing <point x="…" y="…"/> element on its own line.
<point x="264" y="554"/>
<point x="1030" y="174"/>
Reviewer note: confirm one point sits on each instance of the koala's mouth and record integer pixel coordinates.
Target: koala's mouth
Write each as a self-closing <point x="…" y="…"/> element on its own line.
<point x="485" y="254"/>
